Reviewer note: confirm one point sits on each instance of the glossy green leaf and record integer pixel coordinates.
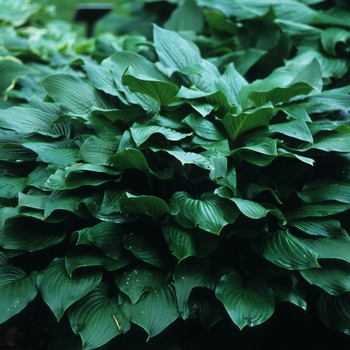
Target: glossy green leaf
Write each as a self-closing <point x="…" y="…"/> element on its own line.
<point x="97" y="151"/>
<point x="321" y="227"/>
<point x="60" y="291"/>
<point x="140" y="133"/>
<point x="30" y="234"/>
<point x="248" y="304"/>
<point x="250" y="119"/>
<point x="297" y="129"/>
<point x="155" y="311"/>
<point x="149" y="205"/>
<point x="333" y="276"/>
<point x="286" y="251"/>
<point x="184" y="243"/>
<point x="210" y="212"/>
<point x="17" y="290"/>
<point x="335" y="311"/>
<point x="188" y="274"/>
<point x="73" y="94"/>
<point x="138" y="280"/>
<point x="161" y="91"/>
<point x="203" y="127"/>
<point x="98" y="318"/>
<point x="187" y="54"/>
<point x="89" y="256"/>
<point x="330" y="37"/>
<point x="321" y="190"/>
<point x="329" y="247"/>
<point x="143" y="249"/>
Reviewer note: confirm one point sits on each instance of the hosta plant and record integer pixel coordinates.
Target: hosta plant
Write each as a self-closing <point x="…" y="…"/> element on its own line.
<point x="203" y="175"/>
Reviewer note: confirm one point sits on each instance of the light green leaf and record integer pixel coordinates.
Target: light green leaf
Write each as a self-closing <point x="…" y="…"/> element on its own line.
<point x="73" y="94"/>
<point x="330" y="37"/>
<point x="297" y="129"/>
<point x="140" y="133"/>
<point x="334" y="311"/>
<point x="59" y="291"/>
<point x="250" y="209"/>
<point x="333" y="276"/>
<point x="187" y="54"/>
<point x="248" y="305"/>
<point x="17" y="290"/>
<point x="98" y="318"/>
<point x="155" y="310"/>
<point x="184" y="243"/>
<point x="162" y="92"/>
<point x="286" y="251"/>
<point x="140" y="279"/>
<point x="210" y="212"/>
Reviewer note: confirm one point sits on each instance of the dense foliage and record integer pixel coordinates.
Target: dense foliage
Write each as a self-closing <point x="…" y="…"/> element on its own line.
<point x="202" y="171"/>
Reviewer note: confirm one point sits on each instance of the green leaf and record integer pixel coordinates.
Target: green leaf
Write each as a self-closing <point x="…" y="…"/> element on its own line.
<point x="149" y="205"/>
<point x="210" y="212"/>
<point x="11" y="186"/>
<point x="32" y="120"/>
<point x="97" y="151"/>
<point x="286" y="251"/>
<point x="236" y="125"/>
<point x="333" y="276"/>
<point x="60" y="291"/>
<point x="334" y="311"/>
<point x="330" y="37"/>
<point x="162" y="92"/>
<point x="98" y="318"/>
<point x="188" y="274"/>
<point x="297" y="129"/>
<point x="250" y="209"/>
<point x="184" y="243"/>
<point x="17" y="290"/>
<point x="248" y="305"/>
<point x="140" y="133"/>
<point x="155" y="311"/>
<point x="140" y="279"/>
<point x="203" y="127"/>
<point x="145" y="250"/>
<point x="89" y="256"/>
<point x="321" y="190"/>
<point x="30" y="234"/>
<point x="329" y="247"/>
<point x="321" y="227"/>
<point x="73" y="94"/>
<point x="187" y="16"/>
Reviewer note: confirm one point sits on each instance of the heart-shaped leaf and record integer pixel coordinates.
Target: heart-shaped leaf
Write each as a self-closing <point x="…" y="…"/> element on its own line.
<point x="248" y="304"/>
<point x="17" y="290"/>
<point x="60" y="291"/>
<point x="98" y="318"/>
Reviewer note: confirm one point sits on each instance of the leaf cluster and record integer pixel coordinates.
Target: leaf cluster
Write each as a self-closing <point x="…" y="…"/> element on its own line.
<point x="200" y="173"/>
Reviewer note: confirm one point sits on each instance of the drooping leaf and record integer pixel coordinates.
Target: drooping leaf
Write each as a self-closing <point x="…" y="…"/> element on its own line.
<point x="335" y="311"/>
<point x="333" y="276"/>
<point x="140" y="279"/>
<point x="319" y="227"/>
<point x="210" y="212"/>
<point x="154" y="311"/>
<point x="59" y="290"/>
<point x="285" y="251"/>
<point x="98" y="318"/>
<point x="248" y="305"/>
<point x="17" y="290"/>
